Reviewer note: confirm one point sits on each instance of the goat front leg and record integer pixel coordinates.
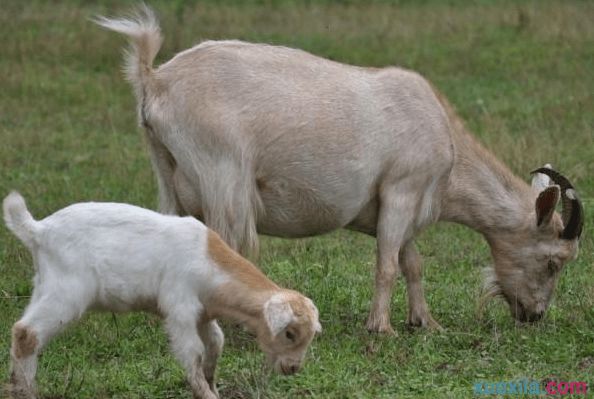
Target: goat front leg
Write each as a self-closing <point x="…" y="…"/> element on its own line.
<point x="189" y="349"/>
<point x="379" y="317"/>
<point x="213" y="339"/>
<point x="410" y="264"/>
<point x="393" y="221"/>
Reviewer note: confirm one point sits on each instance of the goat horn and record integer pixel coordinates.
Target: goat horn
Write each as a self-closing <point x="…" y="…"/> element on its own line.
<point x="573" y="212"/>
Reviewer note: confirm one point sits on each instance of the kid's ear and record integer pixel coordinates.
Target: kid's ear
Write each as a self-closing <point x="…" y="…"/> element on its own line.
<point x="278" y="313"/>
<point x="317" y="326"/>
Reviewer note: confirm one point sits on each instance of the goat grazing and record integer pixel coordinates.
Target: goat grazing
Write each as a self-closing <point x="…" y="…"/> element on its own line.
<point x="258" y="138"/>
<point x="120" y="257"/>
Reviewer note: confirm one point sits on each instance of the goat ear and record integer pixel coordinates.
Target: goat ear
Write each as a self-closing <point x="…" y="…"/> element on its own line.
<point x="545" y="204"/>
<point x="278" y="313"/>
<point x="316" y="323"/>
<point x="317" y="326"/>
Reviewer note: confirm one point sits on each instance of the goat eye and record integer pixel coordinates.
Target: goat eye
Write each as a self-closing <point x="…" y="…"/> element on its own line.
<point x="290" y="336"/>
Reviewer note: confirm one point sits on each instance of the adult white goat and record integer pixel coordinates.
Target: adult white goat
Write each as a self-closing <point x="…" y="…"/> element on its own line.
<point x="121" y="257"/>
<point x="258" y="138"/>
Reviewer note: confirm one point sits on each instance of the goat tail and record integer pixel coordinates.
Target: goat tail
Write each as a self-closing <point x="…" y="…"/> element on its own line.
<point x="145" y="42"/>
<point x="18" y="219"/>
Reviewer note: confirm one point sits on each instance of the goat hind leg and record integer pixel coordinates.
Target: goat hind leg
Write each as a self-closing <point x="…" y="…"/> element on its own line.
<point x="164" y="165"/>
<point x="29" y="334"/>
<point x="23" y="362"/>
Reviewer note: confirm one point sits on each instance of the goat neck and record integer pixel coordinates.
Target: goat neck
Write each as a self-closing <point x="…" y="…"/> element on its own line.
<point x="482" y="193"/>
<point x="240" y="299"/>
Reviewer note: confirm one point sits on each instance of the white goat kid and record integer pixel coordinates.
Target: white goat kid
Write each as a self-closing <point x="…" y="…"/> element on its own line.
<point x="121" y="258"/>
<point x="306" y="145"/>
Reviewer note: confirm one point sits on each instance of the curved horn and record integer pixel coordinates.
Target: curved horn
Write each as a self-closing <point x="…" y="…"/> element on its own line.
<point x="573" y="213"/>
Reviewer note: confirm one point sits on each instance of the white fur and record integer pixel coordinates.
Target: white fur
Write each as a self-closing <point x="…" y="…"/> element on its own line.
<point x="121" y="257"/>
<point x="541" y="181"/>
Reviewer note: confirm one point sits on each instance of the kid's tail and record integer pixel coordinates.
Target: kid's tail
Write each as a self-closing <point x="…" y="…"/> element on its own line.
<point x="18" y="219"/>
<point x="145" y="40"/>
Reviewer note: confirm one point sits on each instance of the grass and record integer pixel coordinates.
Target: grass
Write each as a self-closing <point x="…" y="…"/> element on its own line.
<point x="519" y="73"/>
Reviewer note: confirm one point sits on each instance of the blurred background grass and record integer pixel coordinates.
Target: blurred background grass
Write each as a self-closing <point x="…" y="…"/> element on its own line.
<point x="520" y="75"/>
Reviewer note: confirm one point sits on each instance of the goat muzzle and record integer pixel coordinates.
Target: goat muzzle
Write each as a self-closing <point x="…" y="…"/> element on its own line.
<point x="287" y="367"/>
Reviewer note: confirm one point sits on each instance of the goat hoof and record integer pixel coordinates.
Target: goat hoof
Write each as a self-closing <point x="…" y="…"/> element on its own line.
<point x="387" y="330"/>
<point x="426" y="323"/>
<point x="379" y="327"/>
<point x="433" y="325"/>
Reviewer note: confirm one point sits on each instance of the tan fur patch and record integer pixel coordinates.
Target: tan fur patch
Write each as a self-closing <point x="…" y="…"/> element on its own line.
<point x="305" y="318"/>
<point x="24" y="341"/>
<point x="239" y="267"/>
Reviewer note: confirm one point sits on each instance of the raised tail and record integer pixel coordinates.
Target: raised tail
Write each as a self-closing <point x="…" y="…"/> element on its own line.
<point x="18" y="219"/>
<point x="145" y="41"/>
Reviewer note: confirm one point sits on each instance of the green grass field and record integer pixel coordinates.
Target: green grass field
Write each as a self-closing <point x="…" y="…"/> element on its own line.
<point x="520" y="75"/>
